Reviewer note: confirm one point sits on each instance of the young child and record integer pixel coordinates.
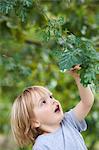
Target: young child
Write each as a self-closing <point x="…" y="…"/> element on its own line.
<point x="37" y="117"/>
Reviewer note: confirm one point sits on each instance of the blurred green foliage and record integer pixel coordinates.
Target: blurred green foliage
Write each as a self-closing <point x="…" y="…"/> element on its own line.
<point x="25" y="60"/>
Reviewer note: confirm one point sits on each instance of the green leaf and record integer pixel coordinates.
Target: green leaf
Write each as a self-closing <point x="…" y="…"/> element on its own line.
<point x="74" y="50"/>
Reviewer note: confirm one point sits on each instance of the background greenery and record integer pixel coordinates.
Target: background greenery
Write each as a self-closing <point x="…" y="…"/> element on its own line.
<point x="26" y="60"/>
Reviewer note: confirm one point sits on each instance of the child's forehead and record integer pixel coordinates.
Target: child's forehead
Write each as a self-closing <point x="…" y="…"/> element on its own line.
<point x="41" y="93"/>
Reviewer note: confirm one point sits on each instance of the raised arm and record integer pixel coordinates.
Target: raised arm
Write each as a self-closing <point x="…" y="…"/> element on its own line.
<point x="87" y="98"/>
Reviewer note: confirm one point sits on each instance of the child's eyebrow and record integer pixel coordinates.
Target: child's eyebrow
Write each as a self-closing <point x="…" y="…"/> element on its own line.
<point x="42" y="98"/>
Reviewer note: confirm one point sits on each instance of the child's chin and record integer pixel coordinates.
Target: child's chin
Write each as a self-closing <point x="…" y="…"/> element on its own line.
<point x="60" y="115"/>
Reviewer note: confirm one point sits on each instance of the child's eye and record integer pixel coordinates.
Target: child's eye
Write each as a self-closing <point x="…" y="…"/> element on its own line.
<point x="51" y="96"/>
<point x="43" y="101"/>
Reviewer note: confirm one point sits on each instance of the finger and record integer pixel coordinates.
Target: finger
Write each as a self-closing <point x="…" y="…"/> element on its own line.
<point x="77" y="67"/>
<point x="73" y="69"/>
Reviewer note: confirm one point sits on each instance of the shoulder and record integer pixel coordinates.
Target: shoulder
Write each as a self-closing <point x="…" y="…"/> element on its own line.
<point x="71" y="120"/>
<point x="45" y="142"/>
<point x="40" y="143"/>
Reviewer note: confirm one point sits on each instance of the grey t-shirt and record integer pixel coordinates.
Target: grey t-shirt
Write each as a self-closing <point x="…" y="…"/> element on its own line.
<point x="66" y="137"/>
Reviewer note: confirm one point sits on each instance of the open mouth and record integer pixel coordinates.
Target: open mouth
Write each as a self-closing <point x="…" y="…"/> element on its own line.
<point x="57" y="109"/>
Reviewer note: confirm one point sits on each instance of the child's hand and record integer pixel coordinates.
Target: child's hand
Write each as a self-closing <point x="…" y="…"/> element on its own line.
<point x="73" y="72"/>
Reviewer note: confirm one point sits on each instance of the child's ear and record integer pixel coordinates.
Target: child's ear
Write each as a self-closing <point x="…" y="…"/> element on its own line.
<point x="35" y="124"/>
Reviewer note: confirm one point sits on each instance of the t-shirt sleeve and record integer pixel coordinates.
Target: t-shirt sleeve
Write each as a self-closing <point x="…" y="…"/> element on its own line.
<point x="39" y="148"/>
<point x="39" y="145"/>
<point x="70" y="118"/>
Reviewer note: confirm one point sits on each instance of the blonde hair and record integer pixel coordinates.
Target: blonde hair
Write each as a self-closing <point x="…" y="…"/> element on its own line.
<point x="22" y="116"/>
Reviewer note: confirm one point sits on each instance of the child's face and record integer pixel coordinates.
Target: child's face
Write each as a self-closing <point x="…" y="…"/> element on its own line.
<point x="48" y="111"/>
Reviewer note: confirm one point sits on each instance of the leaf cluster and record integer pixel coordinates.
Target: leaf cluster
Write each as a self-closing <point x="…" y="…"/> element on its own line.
<point x="71" y="50"/>
<point x="19" y="7"/>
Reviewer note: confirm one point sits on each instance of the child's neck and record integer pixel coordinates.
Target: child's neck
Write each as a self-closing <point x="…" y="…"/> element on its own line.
<point x="51" y="129"/>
